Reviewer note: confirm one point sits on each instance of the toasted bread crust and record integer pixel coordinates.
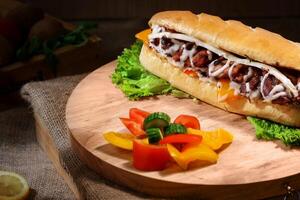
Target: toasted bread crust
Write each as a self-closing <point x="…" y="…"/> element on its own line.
<point x="233" y="36"/>
<point x="207" y="92"/>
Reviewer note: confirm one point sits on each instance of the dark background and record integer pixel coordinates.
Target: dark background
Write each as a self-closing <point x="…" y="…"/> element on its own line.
<point x="119" y="20"/>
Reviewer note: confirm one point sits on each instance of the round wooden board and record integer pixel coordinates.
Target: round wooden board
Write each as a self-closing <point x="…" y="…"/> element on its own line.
<point x="247" y="169"/>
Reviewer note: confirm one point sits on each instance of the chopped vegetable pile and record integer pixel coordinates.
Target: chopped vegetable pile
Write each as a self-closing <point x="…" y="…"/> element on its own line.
<point x="156" y="142"/>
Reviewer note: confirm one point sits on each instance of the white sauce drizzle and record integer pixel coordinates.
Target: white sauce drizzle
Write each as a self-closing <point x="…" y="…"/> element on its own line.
<point x="276" y="89"/>
<point x="230" y="71"/>
<point x="248" y="90"/>
<point x="209" y="55"/>
<point x="159" y="32"/>
<point x="212" y="66"/>
<point x="176" y="45"/>
<point x="275" y="93"/>
<point x="249" y="74"/>
<point x="262" y="84"/>
<point x="187" y="54"/>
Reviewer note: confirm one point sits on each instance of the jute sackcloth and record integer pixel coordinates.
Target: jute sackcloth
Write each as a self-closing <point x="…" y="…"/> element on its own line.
<point x="20" y="153"/>
<point x="48" y="100"/>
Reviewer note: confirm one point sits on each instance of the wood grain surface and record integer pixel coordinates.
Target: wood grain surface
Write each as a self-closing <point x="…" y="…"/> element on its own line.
<point x="247" y="169"/>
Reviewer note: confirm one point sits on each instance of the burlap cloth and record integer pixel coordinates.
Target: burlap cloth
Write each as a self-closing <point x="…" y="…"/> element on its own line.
<point x="20" y="152"/>
<point x="48" y="100"/>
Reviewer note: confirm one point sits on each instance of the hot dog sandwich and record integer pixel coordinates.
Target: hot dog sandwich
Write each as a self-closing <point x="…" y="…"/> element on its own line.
<point x="249" y="71"/>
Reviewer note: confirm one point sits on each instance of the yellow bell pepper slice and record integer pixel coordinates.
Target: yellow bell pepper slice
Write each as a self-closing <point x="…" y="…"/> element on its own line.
<point x="226" y="93"/>
<point x="143" y="35"/>
<point x="174" y="153"/>
<point x="214" y="139"/>
<point x="192" y="152"/>
<point x="121" y="140"/>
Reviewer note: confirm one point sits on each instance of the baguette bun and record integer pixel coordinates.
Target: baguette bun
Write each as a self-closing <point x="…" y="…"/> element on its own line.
<point x="233" y="36"/>
<point x="207" y="92"/>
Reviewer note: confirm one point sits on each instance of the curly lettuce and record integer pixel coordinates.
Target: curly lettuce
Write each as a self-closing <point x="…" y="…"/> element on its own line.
<point x="268" y="130"/>
<point x="131" y="77"/>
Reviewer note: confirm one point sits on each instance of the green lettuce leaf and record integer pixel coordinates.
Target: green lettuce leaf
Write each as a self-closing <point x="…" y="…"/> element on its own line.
<point x="133" y="79"/>
<point x="268" y="130"/>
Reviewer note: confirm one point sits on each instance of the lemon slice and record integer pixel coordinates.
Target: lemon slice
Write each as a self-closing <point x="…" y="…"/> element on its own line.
<point x="13" y="186"/>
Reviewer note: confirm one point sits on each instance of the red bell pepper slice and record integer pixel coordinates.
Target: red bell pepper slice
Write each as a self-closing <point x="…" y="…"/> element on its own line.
<point x="188" y="121"/>
<point x="148" y="157"/>
<point x="138" y="115"/>
<point x="133" y="127"/>
<point x="191" y="73"/>
<point x="181" y="139"/>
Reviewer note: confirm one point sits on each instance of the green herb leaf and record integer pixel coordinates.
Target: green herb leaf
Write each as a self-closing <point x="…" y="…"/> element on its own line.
<point x="35" y="46"/>
<point x="29" y="48"/>
<point x="268" y="130"/>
